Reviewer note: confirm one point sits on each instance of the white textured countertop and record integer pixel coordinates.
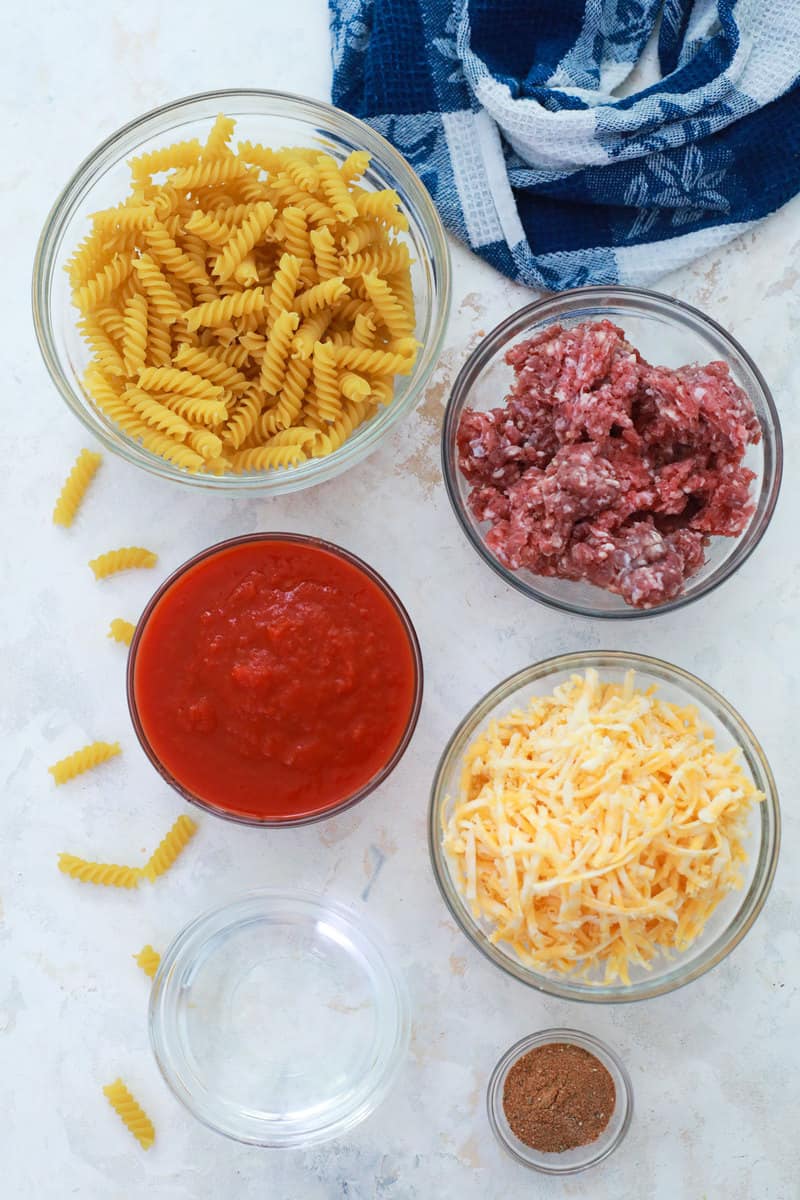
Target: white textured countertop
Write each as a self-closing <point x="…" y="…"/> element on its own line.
<point x="715" y="1067"/>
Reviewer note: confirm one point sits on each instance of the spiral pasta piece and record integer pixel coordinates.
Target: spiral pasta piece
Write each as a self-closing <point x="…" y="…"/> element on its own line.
<point x="103" y="347"/>
<point x="354" y="165"/>
<point x="382" y="206"/>
<point x="291" y="398"/>
<point x="325" y="257"/>
<point x="273" y="366"/>
<point x="284" y="286"/>
<point x="121" y="631"/>
<point x="296" y="435"/>
<point x="374" y="362"/>
<point x="196" y="409"/>
<point x="310" y="332"/>
<point x="89" y="295"/>
<point x="179" y="154"/>
<point x="148" y="959"/>
<point x="131" y="1113"/>
<point x="161" y="296"/>
<point x="170" y="847"/>
<point x="159" y="342"/>
<point x="134" y="345"/>
<point x="181" y="382"/>
<point x="217" y="140"/>
<point x="88" y="260"/>
<point x="268" y="458"/>
<point x="382" y="261"/>
<point x="101" y="874"/>
<point x="125" y="559"/>
<point x="75" y="487"/>
<point x="207" y="444"/>
<point x="209" y="366"/>
<point x="85" y="759"/>
<point x="354" y="387"/>
<point x="218" y="312"/>
<point x="321" y="295"/>
<point x="335" y="189"/>
<point x="170" y="256"/>
<point x="174" y="452"/>
<point x="154" y="413"/>
<point x="212" y="229"/>
<point x="206" y="174"/>
<point x="397" y="320"/>
<point x="326" y="382"/>
<point x="364" y="331"/>
<point x="244" y="416"/>
<point x="243" y="239"/>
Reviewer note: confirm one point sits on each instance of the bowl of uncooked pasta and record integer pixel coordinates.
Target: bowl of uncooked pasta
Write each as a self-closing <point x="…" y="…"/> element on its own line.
<point x="242" y="291"/>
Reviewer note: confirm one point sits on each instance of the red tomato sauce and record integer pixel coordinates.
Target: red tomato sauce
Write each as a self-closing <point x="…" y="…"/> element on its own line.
<point x="274" y="679"/>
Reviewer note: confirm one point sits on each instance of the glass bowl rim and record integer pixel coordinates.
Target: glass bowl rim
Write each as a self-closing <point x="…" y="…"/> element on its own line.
<point x="546" y="1037"/>
<point x="366" y="934"/>
<point x="326" y="116"/>
<point x="525" y="319"/>
<point x="354" y="561"/>
<point x="760" y="885"/>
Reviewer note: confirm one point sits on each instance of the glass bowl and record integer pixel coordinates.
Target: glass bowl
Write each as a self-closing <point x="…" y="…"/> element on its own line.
<point x="274" y="119"/>
<point x="371" y="784"/>
<point x="278" y="1019"/>
<point x="568" y="1162"/>
<point x="667" y="332"/>
<point x="733" y="916"/>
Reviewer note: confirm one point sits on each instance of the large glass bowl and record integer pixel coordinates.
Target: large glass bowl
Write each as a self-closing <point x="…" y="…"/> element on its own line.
<point x="279" y="1019"/>
<point x="667" y="332"/>
<point x="734" y="915"/>
<point x="275" y="119"/>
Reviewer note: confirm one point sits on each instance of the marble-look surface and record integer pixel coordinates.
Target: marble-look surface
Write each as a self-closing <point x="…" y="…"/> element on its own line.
<point x="715" y="1067"/>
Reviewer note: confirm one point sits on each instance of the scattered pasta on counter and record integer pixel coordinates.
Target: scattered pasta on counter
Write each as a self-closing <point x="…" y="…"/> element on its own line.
<point x="241" y="296"/>
<point x="75" y="487"/>
<point x="148" y="959"/>
<point x="130" y="1113"/>
<point x="103" y="874"/>
<point x="168" y="849"/>
<point x="84" y="759"/>
<point x="122" y="631"/>
<point x="124" y="559"/>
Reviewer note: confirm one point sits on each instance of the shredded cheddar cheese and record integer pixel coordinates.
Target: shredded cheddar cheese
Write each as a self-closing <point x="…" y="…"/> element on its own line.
<point x="597" y="828"/>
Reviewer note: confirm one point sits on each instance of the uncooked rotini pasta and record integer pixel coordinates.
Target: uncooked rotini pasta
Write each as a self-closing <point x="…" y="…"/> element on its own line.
<point x="121" y="631"/>
<point x="83" y="760"/>
<point x="124" y="559"/>
<point x="74" y="489"/>
<point x="148" y="959"/>
<point x="168" y="849"/>
<point x="101" y="874"/>
<point x="204" y="293"/>
<point x="131" y="1113"/>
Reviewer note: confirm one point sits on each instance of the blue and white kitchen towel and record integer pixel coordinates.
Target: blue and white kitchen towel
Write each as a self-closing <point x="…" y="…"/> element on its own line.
<point x="509" y="111"/>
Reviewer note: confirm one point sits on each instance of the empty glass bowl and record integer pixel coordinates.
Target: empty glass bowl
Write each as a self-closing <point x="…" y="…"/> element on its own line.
<point x="732" y="918"/>
<point x="278" y="1019"/>
<point x="274" y="119"/>
<point x="667" y="332"/>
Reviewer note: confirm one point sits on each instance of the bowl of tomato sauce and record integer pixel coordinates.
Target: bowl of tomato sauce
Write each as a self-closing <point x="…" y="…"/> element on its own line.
<point x="275" y="679"/>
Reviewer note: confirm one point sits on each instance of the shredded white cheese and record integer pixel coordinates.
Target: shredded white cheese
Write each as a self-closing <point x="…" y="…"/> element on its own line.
<point x="597" y="828"/>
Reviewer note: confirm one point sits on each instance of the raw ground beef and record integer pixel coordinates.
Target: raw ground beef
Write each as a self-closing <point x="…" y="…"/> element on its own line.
<point x="604" y="468"/>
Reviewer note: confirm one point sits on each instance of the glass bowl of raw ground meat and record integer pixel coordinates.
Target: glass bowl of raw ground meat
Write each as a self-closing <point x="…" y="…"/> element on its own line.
<point x="612" y="452"/>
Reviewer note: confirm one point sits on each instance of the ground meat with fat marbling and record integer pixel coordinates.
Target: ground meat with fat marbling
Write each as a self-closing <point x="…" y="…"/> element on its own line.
<point x="604" y="468"/>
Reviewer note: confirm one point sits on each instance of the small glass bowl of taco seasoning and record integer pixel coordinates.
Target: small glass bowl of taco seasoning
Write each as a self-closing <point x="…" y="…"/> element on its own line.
<point x="560" y="1101"/>
<point x="274" y="679"/>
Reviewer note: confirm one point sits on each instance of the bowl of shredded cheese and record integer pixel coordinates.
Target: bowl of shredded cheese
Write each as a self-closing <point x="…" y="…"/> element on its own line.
<point x="604" y="826"/>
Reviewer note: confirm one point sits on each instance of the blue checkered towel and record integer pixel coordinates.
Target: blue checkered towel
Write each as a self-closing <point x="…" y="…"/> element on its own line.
<point x="510" y="112"/>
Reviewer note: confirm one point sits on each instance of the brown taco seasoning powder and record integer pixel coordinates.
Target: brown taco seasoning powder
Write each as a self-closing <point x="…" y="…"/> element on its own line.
<point x="557" y="1097"/>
